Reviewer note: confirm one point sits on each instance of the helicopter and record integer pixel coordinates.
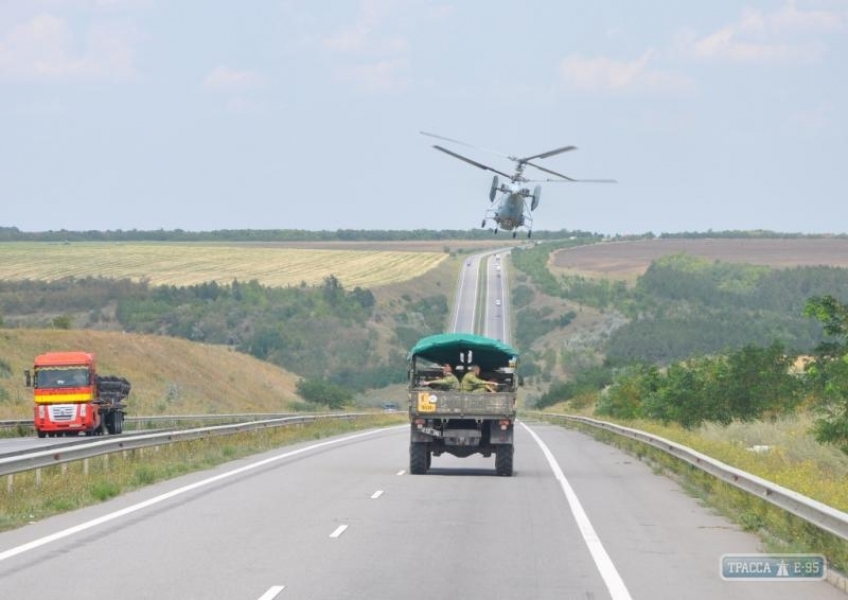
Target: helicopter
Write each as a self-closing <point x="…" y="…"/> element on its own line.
<point x="512" y="210"/>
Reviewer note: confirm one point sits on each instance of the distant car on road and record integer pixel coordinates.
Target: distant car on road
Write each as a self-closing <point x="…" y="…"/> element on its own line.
<point x="468" y="264"/>
<point x="497" y="302"/>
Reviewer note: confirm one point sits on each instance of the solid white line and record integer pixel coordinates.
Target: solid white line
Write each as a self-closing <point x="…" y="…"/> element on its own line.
<point x="161" y="498"/>
<point x="272" y="592"/>
<point x="402" y="472"/>
<point x="607" y="569"/>
<point x="376" y="494"/>
<point x="339" y="531"/>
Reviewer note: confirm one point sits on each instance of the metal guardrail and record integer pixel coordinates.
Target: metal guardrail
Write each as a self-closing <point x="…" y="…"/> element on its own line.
<point x="47" y="457"/>
<point x="169" y="418"/>
<point x="821" y="515"/>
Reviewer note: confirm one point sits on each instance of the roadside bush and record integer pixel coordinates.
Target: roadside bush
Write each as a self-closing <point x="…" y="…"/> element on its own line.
<point x="748" y="384"/>
<point x="319" y="391"/>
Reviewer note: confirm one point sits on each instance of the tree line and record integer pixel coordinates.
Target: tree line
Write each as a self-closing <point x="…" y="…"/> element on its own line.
<point x="13" y="234"/>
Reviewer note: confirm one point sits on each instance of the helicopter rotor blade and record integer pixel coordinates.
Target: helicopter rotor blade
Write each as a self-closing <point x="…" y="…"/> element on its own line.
<point x="569" y="180"/>
<point x="447" y="139"/>
<point x="547" y="154"/>
<point x="535" y="166"/>
<point x="473" y="162"/>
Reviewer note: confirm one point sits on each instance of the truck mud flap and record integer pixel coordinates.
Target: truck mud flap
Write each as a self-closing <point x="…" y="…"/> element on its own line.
<point x="500" y="436"/>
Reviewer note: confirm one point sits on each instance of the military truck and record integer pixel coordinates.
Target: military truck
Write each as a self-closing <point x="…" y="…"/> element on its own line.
<point x="457" y="422"/>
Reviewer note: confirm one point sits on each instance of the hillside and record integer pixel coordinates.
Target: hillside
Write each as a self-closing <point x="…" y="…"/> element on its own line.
<point x="664" y="299"/>
<point x="168" y="375"/>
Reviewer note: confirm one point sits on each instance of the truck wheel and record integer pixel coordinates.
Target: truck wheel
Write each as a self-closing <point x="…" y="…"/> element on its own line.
<point x="41" y="434"/>
<point x="418" y="455"/>
<point x="503" y="460"/>
<point x="119" y="422"/>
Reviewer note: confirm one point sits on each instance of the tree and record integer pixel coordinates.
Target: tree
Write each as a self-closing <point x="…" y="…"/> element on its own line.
<point x="828" y="374"/>
<point x="62" y="322"/>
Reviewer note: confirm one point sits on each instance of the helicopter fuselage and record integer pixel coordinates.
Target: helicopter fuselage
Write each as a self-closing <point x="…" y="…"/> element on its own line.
<point x="509" y="213"/>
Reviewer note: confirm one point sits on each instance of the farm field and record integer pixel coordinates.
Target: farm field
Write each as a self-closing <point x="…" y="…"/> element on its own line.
<point x="628" y="260"/>
<point x="194" y="263"/>
<point x="400" y="245"/>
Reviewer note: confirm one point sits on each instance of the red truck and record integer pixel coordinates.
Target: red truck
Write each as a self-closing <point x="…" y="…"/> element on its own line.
<point x="71" y="397"/>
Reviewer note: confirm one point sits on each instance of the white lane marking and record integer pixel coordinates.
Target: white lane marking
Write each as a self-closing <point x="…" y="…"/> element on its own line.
<point x="272" y="592"/>
<point x="161" y="498"/>
<point x="402" y="472"/>
<point x="607" y="569"/>
<point x="339" y="531"/>
<point x="376" y="494"/>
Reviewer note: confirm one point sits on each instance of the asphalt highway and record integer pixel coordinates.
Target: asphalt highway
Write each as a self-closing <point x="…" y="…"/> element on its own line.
<point x="341" y="518"/>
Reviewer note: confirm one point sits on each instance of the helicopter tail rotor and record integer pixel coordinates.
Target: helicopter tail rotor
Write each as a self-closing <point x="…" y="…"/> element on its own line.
<point x="494" y="189"/>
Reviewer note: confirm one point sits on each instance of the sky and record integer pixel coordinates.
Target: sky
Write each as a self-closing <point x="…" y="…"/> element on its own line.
<point x="290" y="114"/>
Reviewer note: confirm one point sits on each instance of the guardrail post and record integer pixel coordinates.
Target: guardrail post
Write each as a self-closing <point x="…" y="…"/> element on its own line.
<point x="38" y="478"/>
<point x="85" y="466"/>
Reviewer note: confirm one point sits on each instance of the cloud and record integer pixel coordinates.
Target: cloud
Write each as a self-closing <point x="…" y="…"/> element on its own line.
<point x="45" y="48"/>
<point x="378" y="62"/>
<point x="818" y="118"/>
<point x="359" y="40"/>
<point x="382" y="76"/>
<point x="789" y="19"/>
<point x="362" y="36"/>
<point x="225" y="79"/>
<point x="786" y="35"/>
<point x="606" y="74"/>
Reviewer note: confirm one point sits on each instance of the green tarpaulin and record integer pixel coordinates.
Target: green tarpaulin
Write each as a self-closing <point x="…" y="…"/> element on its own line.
<point x="489" y="353"/>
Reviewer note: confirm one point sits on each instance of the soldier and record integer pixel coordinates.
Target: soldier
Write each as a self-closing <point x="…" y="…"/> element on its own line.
<point x="472" y="382"/>
<point x="447" y="382"/>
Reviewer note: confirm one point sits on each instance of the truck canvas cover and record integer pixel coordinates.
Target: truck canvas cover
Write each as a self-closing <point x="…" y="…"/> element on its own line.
<point x="489" y="353"/>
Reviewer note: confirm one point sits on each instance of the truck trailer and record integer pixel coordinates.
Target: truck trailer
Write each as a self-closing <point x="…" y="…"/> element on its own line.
<point x="71" y="397"/>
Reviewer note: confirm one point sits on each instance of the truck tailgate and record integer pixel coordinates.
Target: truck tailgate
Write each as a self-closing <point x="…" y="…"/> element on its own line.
<point x="462" y="404"/>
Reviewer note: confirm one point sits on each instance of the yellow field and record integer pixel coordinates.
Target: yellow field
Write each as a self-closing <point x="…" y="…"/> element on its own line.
<point x="192" y="263"/>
